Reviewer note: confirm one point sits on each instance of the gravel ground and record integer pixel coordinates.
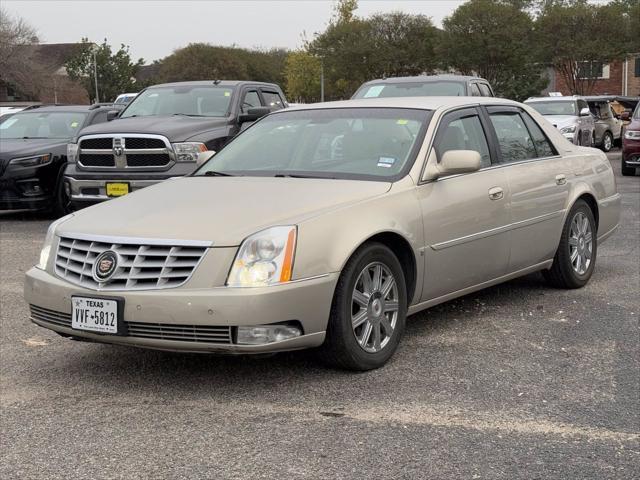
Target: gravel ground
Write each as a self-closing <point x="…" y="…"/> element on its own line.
<point x="517" y="381"/>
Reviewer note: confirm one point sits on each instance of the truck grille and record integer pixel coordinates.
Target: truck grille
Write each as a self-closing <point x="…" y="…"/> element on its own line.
<point x="124" y="151"/>
<point x="158" y="331"/>
<point x="139" y="267"/>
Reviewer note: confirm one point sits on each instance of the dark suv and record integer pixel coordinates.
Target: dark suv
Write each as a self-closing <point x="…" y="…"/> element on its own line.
<point x="33" y="153"/>
<point x="161" y="135"/>
<point x="426" y="86"/>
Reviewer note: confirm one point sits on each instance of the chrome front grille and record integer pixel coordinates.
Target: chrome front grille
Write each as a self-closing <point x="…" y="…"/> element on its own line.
<point x="158" y="331"/>
<point x="140" y="266"/>
<point x="125" y="151"/>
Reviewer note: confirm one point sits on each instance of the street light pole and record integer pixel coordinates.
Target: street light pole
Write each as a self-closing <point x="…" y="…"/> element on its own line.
<point x="95" y="75"/>
<point x="322" y="79"/>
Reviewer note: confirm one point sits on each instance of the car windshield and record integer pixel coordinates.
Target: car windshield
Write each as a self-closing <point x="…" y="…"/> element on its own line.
<point x="195" y="101"/>
<point x="34" y="124"/>
<point x="555" y="108"/>
<point x="636" y="114"/>
<point x="355" y="143"/>
<point x="412" y="89"/>
<point x="124" y="99"/>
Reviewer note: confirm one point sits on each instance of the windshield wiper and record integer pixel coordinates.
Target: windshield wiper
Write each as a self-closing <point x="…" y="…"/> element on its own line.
<point x="297" y="175"/>
<point x="34" y="138"/>
<point x="187" y="115"/>
<point x="213" y="173"/>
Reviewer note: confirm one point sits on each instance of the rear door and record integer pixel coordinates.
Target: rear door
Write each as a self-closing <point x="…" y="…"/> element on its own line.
<point x="538" y="182"/>
<point x="465" y="216"/>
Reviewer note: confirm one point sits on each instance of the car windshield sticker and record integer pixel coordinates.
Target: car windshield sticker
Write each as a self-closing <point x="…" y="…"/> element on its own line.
<point x="7" y="123"/>
<point x="386" y="162"/>
<point x="227" y="93"/>
<point x="74" y="124"/>
<point x="402" y="121"/>
<point x="374" y="91"/>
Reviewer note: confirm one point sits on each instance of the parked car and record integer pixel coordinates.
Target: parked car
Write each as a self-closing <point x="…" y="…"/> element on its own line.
<point x="33" y="153"/>
<point x="160" y="134"/>
<point x="570" y="115"/>
<point x="9" y="110"/>
<point x="608" y="127"/>
<point x="124" y="98"/>
<point x="425" y="86"/>
<point x="325" y="226"/>
<point x="631" y="145"/>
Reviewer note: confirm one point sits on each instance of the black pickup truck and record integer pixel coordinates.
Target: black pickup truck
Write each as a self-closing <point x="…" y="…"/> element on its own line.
<point x="161" y="134"/>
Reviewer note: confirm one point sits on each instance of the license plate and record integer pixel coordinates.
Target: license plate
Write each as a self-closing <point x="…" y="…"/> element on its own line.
<point x="117" y="189"/>
<point x="94" y="314"/>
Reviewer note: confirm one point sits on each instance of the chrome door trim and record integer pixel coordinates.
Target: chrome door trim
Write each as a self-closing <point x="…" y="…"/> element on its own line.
<point x="135" y="240"/>
<point x="496" y="231"/>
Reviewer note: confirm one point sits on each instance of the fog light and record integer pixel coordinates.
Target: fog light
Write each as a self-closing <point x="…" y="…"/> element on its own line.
<point x="261" y="334"/>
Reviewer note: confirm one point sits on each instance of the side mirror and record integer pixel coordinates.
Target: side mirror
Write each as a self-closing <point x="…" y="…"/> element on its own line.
<point x="204" y="157"/>
<point x="453" y="162"/>
<point x="585" y="112"/>
<point x="253" y="114"/>
<point x="625" y="115"/>
<point x="111" y="114"/>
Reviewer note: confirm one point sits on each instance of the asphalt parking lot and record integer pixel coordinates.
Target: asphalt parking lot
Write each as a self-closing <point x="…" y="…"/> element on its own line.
<point x="518" y="381"/>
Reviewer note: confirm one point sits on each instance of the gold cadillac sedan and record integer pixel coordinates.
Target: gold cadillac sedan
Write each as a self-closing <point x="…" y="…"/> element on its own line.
<point x="325" y="226"/>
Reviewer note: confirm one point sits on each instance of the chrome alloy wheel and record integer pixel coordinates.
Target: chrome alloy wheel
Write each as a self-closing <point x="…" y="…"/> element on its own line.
<point x="580" y="243"/>
<point x="374" y="307"/>
<point x="607" y="142"/>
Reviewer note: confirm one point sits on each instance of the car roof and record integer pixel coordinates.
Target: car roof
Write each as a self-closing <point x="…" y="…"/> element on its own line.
<point x="425" y="78"/>
<point x="62" y="108"/>
<point x="209" y="83"/>
<point x="553" y="99"/>
<point x="422" y="103"/>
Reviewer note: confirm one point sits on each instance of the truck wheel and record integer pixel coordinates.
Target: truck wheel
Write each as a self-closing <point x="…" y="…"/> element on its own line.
<point x="61" y="202"/>
<point x="368" y="312"/>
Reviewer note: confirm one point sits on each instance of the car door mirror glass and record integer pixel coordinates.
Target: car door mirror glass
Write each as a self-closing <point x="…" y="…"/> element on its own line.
<point x="253" y="114"/>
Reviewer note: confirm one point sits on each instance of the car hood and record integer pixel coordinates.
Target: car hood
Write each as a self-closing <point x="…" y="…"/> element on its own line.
<point x="14" y="148"/>
<point x="562" y="120"/>
<point x="176" y="128"/>
<point x="222" y="210"/>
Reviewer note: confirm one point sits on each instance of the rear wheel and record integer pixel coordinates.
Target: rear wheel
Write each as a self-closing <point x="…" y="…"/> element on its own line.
<point x="575" y="258"/>
<point x="368" y="312"/>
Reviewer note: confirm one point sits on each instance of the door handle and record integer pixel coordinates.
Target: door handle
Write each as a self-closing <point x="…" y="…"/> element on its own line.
<point x="496" y="193"/>
<point x="561" y="179"/>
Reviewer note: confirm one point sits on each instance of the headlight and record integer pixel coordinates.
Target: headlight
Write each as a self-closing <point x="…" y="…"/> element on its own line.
<point x="31" y="161"/>
<point x="265" y="258"/>
<point x="48" y="241"/>
<point x="570" y="129"/>
<point x="188" y="151"/>
<point x="632" y="134"/>
<point x="72" y="152"/>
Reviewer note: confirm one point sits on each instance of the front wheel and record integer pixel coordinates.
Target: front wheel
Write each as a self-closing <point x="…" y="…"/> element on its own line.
<point x="607" y="141"/>
<point x="575" y="258"/>
<point x="368" y="312"/>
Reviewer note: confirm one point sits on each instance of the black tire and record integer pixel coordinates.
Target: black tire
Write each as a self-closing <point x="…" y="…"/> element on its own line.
<point x="341" y="348"/>
<point x="580" y="138"/>
<point x="604" y="145"/>
<point x="562" y="273"/>
<point x="62" y="204"/>
<point x="627" y="171"/>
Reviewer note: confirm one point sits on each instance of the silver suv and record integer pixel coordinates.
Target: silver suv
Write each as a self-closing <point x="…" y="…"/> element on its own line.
<point x="570" y="115"/>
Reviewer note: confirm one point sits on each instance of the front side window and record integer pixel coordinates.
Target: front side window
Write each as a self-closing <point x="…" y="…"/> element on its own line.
<point x="464" y="133"/>
<point x="485" y="90"/>
<point x="566" y="107"/>
<point x="514" y="139"/>
<point x="34" y="124"/>
<point x="251" y="100"/>
<point x="356" y="143"/>
<point x="475" y="91"/>
<point x="412" y="89"/>
<point x="193" y="101"/>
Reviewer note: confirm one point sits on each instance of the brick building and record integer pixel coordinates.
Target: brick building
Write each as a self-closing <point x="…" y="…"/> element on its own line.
<point x="619" y="77"/>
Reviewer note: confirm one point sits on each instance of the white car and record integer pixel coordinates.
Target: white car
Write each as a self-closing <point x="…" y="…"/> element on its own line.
<point x="570" y="115"/>
<point x="124" y="98"/>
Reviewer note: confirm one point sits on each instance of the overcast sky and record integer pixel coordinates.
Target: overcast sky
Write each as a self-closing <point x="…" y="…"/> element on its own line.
<point x="154" y="28"/>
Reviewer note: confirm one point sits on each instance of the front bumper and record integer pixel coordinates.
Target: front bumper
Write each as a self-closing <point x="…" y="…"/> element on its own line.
<point x="306" y="301"/>
<point x="86" y="187"/>
<point x="631" y="153"/>
<point x="25" y="189"/>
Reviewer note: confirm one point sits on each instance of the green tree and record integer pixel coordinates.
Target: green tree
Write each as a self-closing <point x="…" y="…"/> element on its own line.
<point x="577" y="38"/>
<point x="492" y="39"/>
<point x="116" y="71"/>
<point x="302" y="77"/>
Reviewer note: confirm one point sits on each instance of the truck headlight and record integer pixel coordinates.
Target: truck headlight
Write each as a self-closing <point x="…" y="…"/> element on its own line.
<point x="265" y="258"/>
<point x="632" y="134"/>
<point x="48" y="241"/>
<point x="570" y="129"/>
<point x="72" y="152"/>
<point x="34" y="161"/>
<point x="188" y="151"/>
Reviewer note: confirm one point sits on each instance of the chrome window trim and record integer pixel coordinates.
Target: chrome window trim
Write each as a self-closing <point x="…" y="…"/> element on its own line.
<point x="168" y="149"/>
<point x="135" y="240"/>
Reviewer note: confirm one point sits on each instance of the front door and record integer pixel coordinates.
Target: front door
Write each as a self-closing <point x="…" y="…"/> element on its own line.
<point x="466" y="216"/>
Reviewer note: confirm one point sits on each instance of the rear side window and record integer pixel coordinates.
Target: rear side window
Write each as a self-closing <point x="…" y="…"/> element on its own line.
<point x="540" y="141"/>
<point x="485" y="90"/>
<point x="273" y="100"/>
<point x="463" y="133"/>
<point x="514" y="139"/>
